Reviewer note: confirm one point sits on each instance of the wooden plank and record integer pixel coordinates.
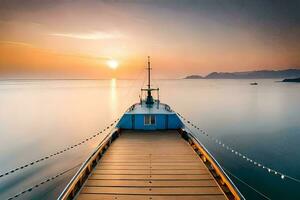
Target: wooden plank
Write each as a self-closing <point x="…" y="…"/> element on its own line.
<point x="152" y="161"/>
<point x="152" y="191"/>
<point x="153" y="177"/>
<point x="166" y="146"/>
<point x="125" y="162"/>
<point x="150" y="171"/>
<point x="152" y="164"/>
<point x="150" y="156"/>
<point x="143" y="154"/>
<point x="148" y="150"/>
<point x="183" y="167"/>
<point x="143" y="183"/>
<point x="148" y="197"/>
<point x="154" y="152"/>
<point x="190" y="157"/>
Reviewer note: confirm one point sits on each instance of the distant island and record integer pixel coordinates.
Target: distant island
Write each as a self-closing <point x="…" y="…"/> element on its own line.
<point x="262" y="74"/>
<point x="194" y="77"/>
<point x="292" y="80"/>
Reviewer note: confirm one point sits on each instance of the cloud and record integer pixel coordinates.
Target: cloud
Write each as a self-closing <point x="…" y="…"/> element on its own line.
<point x="16" y="43"/>
<point x="97" y="35"/>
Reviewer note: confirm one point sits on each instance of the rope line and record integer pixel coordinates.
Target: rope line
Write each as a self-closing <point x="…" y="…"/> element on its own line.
<point x="240" y="180"/>
<point x="58" y="152"/>
<point x="42" y="183"/>
<point x="241" y="155"/>
<point x="258" y="192"/>
<point x="129" y="92"/>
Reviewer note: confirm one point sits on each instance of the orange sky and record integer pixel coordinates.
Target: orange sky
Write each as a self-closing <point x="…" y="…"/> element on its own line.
<point x="74" y="39"/>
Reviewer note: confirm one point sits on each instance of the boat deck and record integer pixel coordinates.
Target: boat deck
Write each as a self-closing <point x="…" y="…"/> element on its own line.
<point x="151" y="165"/>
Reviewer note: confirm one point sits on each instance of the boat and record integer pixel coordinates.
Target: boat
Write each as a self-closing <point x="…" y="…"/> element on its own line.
<point x="149" y="154"/>
<point x="254" y="83"/>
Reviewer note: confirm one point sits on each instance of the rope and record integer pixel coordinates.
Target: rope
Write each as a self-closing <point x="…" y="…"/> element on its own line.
<point x="42" y="183"/>
<point x="258" y="192"/>
<point x="241" y="155"/>
<point x="57" y="153"/>
<point x="237" y="178"/>
<point x="129" y="91"/>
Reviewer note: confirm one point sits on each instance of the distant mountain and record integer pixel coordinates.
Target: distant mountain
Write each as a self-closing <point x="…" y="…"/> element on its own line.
<point x="194" y="77"/>
<point x="288" y="73"/>
<point x="292" y="80"/>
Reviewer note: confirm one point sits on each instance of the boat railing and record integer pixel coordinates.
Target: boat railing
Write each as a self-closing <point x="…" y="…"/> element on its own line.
<point x="131" y="108"/>
<point x="165" y="106"/>
<point x="213" y="164"/>
<point x="87" y="167"/>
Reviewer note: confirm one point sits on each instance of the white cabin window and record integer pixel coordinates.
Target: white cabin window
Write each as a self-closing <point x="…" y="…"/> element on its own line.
<point x="149" y="120"/>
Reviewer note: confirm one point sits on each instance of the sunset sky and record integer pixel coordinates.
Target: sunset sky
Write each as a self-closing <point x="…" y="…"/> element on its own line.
<point x="76" y="38"/>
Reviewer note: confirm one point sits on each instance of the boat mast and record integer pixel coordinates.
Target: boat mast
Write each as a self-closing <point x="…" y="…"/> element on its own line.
<point x="149" y="76"/>
<point x="149" y="100"/>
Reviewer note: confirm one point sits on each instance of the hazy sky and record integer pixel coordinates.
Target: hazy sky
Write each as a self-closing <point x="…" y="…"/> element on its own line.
<point x="75" y="38"/>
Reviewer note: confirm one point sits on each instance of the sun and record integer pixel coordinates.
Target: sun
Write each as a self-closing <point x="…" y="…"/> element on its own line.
<point x="113" y="64"/>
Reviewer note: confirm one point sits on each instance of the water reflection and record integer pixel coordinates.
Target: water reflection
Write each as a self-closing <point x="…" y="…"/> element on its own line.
<point x="113" y="98"/>
<point x="262" y="122"/>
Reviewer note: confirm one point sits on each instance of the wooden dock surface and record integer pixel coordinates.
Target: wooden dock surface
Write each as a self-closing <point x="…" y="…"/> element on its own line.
<point x="151" y="165"/>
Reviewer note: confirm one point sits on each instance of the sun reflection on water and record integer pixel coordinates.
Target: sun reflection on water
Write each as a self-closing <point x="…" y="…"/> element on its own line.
<point x="113" y="98"/>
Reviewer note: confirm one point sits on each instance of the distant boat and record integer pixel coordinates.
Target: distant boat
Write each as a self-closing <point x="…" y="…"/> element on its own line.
<point x="254" y="83"/>
<point x="292" y="80"/>
<point x="150" y="154"/>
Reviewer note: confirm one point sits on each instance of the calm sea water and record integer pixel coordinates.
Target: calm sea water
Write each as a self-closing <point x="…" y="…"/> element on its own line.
<point x="38" y="118"/>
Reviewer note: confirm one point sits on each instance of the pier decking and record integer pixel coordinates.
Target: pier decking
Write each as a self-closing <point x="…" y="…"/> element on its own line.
<point x="151" y="165"/>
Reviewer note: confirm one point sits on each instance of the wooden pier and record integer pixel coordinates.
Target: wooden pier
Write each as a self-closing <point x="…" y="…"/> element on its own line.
<point x="151" y="165"/>
<point x="150" y="155"/>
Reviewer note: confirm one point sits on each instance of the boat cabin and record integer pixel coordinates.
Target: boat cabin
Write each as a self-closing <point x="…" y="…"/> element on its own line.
<point x="149" y="113"/>
<point x="157" y="117"/>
